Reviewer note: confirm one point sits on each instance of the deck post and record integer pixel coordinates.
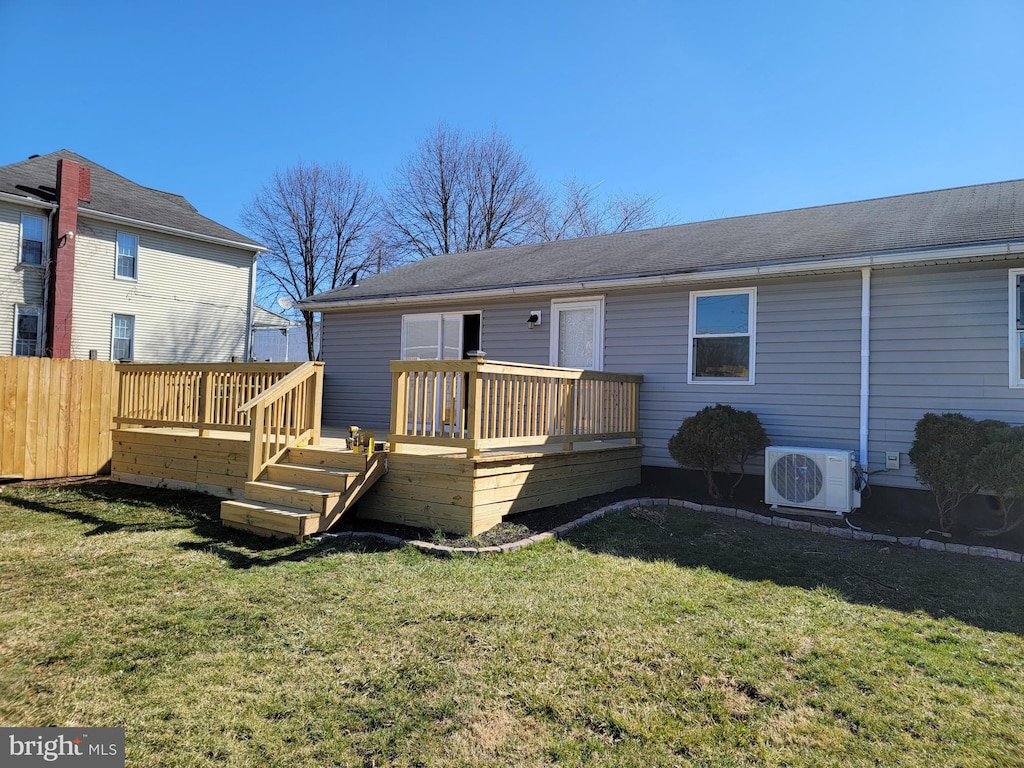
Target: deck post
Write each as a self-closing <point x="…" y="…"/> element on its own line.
<point x="569" y="414"/>
<point x="399" y="406"/>
<point x="316" y="405"/>
<point x="205" y="402"/>
<point x="256" y="438"/>
<point x="474" y="400"/>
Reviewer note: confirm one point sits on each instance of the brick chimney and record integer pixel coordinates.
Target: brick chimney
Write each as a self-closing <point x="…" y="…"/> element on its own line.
<point x="74" y="183"/>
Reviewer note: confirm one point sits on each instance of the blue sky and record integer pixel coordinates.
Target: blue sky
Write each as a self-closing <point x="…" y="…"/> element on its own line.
<point x="718" y="108"/>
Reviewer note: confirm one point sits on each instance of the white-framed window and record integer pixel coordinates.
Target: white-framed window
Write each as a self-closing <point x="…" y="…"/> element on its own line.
<point x="722" y="338"/>
<point x="122" y="338"/>
<point x="1017" y="327"/>
<point x="440" y="336"/>
<point x="28" y="331"/>
<point x="577" y="333"/>
<point x="127" y="255"/>
<point x="33" y="239"/>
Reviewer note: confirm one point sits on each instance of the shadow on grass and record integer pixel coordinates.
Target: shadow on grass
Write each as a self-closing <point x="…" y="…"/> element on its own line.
<point x="980" y="591"/>
<point x="111" y="507"/>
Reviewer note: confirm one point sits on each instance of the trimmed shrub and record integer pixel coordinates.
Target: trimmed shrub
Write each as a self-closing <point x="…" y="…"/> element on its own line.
<point x="998" y="468"/>
<point x="715" y="437"/>
<point x="944" y="457"/>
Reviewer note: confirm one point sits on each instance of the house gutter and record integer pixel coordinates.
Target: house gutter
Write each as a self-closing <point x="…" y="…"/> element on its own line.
<point x="112" y="217"/>
<point x="879" y="260"/>
<point x="865" y="360"/>
<point x="23" y="200"/>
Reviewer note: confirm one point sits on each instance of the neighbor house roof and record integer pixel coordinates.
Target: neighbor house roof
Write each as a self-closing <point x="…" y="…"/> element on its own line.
<point x="985" y="214"/>
<point x="264" y="318"/>
<point x="116" y="196"/>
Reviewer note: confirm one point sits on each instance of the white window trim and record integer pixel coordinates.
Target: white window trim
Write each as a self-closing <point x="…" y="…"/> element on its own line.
<point x="586" y="302"/>
<point x="1016" y="374"/>
<point x="113" y="326"/>
<point x="117" y="256"/>
<point x="751" y="332"/>
<point x="27" y="309"/>
<point x="44" y="256"/>
<point x="440" y="328"/>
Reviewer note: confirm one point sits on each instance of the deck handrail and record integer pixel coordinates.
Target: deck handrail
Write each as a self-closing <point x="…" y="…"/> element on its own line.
<point x="202" y="396"/>
<point x="285" y="415"/>
<point x="474" y="405"/>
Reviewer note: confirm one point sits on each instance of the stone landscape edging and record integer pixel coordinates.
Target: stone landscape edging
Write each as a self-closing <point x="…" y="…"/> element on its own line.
<point x="559" y="532"/>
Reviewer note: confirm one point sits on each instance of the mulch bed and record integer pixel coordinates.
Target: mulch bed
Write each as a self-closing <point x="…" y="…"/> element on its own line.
<point x="888" y="517"/>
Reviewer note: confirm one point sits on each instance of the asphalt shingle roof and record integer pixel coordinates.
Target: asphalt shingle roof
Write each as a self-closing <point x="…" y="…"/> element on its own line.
<point x="110" y="193"/>
<point x="961" y="216"/>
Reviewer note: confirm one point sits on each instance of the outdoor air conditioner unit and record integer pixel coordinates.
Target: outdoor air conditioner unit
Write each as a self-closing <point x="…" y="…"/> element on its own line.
<point x="811" y="478"/>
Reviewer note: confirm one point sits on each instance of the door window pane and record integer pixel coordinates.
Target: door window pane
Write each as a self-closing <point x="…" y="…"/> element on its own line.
<point x="576" y="338"/>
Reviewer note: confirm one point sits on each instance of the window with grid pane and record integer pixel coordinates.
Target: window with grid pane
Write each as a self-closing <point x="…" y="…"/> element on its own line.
<point x="33" y="239"/>
<point x="127" y="255"/>
<point x="722" y="336"/>
<point x="122" y="345"/>
<point x="27" y="328"/>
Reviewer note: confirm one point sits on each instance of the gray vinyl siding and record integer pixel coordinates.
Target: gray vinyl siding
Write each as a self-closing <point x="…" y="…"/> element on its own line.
<point x="359" y="346"/>
<point x="939" y="343"/>
<point x="807" y="361"/>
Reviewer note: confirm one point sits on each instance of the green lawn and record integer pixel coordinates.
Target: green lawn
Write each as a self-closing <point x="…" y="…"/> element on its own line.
<point x="689" y="641"/>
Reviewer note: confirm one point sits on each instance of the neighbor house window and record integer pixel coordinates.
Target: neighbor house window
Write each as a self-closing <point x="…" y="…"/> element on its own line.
<point x="28" y="328"/>
<point x="122" y="344"/>
<point x="33" y="239"/>
<point x="722" y="336"/>
<point x="1017" y="327"/>
<point x="127" y="255"/>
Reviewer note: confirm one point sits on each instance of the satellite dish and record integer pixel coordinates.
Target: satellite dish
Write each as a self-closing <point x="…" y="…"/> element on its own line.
<point x="285" y="303"/>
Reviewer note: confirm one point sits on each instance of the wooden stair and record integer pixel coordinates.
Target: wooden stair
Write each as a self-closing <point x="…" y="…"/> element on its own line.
<point x="305" y="493"/>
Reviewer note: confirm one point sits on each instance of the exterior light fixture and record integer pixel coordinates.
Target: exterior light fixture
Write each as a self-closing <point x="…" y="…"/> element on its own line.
<point x="533" y="320"/>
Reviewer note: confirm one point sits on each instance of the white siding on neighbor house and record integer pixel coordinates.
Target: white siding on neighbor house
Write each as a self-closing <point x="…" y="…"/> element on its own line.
<point x="285" y="344"/>
<point x="807" y="361"/>
<point x="19" y="283"/>
<point x="939" y="343"/>
<point x="190" y="300"/>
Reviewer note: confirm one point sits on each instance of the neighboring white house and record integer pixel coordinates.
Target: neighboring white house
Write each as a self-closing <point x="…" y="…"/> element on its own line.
<point x="92" y="264"/>
<point x="278" y="339"/>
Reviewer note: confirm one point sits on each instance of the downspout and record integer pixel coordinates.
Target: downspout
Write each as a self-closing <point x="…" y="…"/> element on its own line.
<point x="865" y="360"/>
<point x="249" y="310"/>
<point x="44" y="319"/>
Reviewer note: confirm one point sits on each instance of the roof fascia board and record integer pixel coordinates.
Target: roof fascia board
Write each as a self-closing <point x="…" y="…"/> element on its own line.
<point x="88" y="213"/>
<point x="881" y="259"/>
<point x="21" y="200"/>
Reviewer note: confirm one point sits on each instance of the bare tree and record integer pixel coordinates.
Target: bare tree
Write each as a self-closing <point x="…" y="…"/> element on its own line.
<point x="578" y="211"/>
<point x="316" y="222"/>
<point x="461" y="193"/>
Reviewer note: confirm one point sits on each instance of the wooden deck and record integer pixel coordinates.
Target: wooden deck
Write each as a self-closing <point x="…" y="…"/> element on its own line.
<point x="469" y="443"/>
<point x="425" y="486"/>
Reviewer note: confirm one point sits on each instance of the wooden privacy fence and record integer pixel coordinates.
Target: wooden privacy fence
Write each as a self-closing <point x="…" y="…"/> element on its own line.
<point x="202" y="396"/>
<point x="57" y="416"/>
<point x="475" y="405"/>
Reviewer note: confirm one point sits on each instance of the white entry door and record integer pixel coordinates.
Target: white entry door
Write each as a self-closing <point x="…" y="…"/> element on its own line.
<point x="577" y="334"/>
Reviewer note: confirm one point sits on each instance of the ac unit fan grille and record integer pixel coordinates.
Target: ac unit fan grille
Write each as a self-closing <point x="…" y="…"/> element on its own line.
<point x="797" y="478"/>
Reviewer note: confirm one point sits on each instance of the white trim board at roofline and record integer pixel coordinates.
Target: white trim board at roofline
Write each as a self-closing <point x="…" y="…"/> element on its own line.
<point x="987" y="252"/>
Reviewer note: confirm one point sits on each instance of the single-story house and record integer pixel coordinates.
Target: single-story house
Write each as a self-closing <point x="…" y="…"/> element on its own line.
<point x="839" y="325"/>
<point x="279" y="339"/>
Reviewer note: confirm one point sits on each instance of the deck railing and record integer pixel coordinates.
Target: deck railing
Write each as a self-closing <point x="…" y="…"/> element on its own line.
<point x="202" y="396"/>
<point x="285" y="415"/>
<point x="475" y="405"/>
